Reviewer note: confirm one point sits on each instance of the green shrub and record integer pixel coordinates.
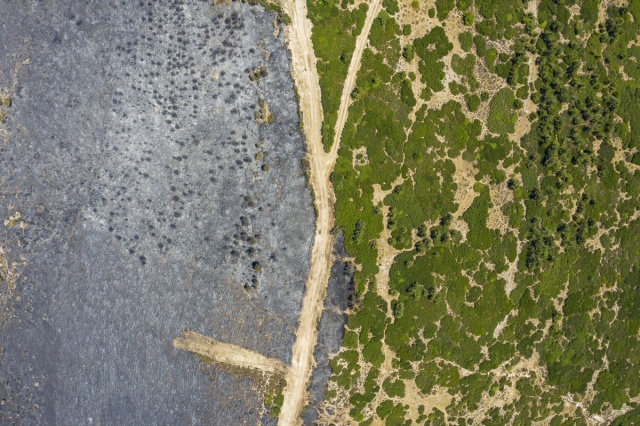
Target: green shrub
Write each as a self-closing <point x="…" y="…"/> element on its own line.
<point x="384" y="409"/>
<point x="466" y="41"/>
<point x="391" y="6"/>
<point x="444" y="7"/>
<point x="502" y="117"/>
<point x="394" y="388"/>
<point x="463" y="5"/>
<point x="463" y="66"/>
<point x="589" y="11"/>
<point x="408" y="53"/>
<point x="473" y="102"/>
<point x="491" y="58"/>
<point x="406" y="93"/>
<point x="481" y="45"/>
<point x="469" y="18"/>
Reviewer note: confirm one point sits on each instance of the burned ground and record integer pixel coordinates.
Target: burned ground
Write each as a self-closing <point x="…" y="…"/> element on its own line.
<point x="155" y="202"/>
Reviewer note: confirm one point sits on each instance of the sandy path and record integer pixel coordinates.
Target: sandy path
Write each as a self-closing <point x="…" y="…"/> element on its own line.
<point x="305" y="75"/>
<point x="226" y="353"/>
<point x="350" y="81"/>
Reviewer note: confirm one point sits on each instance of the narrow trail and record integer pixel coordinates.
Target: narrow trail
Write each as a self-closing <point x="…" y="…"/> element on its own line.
<point x="350" y="81"/>
<point x="226" y="353"/>
<point x="305" y="75"/>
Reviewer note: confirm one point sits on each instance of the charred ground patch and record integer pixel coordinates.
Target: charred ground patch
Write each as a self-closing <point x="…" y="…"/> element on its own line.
<point x="156" y="202"/>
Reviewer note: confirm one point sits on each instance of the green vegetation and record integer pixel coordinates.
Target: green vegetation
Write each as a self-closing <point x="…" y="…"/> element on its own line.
<point x="515" y="263"/>
<point x="444" y="7"/>
<point x="270" y="386"/>
<point x="274" y="395"/>
<point x="5" y="104"/>
<point x="473" y="103"/>
<point x="469" y="18"/>
<point x="335" y="28"/>
<point x="502" y="117"/>
<point x="466" y="41"/>
<point x="270" y="5"/>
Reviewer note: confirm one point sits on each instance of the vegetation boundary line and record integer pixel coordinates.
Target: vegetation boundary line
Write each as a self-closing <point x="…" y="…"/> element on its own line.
<point x="305" y="75"/>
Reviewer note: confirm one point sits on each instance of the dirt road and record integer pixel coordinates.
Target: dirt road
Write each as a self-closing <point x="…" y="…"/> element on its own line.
<point x="225" y="353"/>
<point x="321" y="164"/>
<point x="303" y="64"/>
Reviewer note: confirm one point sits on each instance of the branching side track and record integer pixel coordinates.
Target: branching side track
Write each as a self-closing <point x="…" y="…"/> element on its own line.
<point x="227" y="354"/>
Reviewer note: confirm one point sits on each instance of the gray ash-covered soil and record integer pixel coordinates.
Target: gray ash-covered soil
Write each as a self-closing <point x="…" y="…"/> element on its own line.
<point x="153" y="198"/>
<point x="340" y="292"/>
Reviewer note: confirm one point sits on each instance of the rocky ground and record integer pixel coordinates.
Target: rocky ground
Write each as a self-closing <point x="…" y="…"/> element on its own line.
<point x="155" y="202"/>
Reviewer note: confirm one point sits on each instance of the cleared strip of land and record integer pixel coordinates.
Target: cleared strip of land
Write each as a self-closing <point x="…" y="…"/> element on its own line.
<point x="228" y="354"/>
<point x="305" y="75"/>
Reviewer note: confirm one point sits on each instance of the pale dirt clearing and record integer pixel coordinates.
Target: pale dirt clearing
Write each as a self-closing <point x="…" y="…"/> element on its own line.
<point x="386" y="252"/>
<point x="500" y="195"/>
<point x="305" y="75"/>
<point x="359" y="158"/>
<point x="227" y="354"/>
<point x="509" y="276"/>
<point x="439" y="399"/>
<point x="464" y="178"/>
